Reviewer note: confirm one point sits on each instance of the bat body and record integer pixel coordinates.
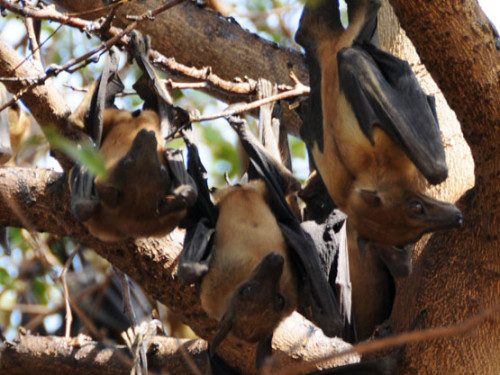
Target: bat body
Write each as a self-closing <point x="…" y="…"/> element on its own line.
<point x="147" y="190"/>
<point x="373" y="288"/>
<point x="252" y="259"/>
<point x="245" y="221"/>
<point x="136" y="197"/>
<point x="371" y="130"/>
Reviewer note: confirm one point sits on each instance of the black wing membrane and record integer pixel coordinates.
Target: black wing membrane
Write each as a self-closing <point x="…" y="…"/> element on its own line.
<point x="84" y="196"/>
<point x="316" y="299"/>
<point x="200" y="223"/>
<point x="326" y="226"/>
<point x="104" y="97"/>
<point x="383" y="91"/>
<point x="150" y="87"/>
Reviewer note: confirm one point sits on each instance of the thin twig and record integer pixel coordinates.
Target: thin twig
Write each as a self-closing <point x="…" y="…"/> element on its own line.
<point x="33" y="40"/>
<point x="84" y="90"/>
<point x="298" y="90"/>
<point x="67" y="297"/>
<point x="35" y="322"/>
<point x="205" y="74"/>
<point x="85" y="59"/>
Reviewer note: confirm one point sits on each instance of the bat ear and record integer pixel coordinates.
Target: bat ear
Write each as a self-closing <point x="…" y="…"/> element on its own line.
<point x="370" y="197"/>
<point x="225" y="326"/>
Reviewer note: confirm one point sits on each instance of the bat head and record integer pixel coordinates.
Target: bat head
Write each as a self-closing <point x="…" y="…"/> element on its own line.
<point x="398" y="216"/>
<point x="138" y="177"/>
<point x="257" y="306"/>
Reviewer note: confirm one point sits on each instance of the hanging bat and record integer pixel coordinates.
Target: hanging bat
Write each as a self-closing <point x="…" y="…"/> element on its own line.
<point x="147" y="190"/>
<point x="252" y="261"/>
<point x="372" y="131"/>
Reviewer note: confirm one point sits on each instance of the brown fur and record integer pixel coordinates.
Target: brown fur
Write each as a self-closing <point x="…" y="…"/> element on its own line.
<point x="351" y="166"/>
<point x="372" y="288"/>
<point x="246" y="232"/>
<point x="136" y="212"/>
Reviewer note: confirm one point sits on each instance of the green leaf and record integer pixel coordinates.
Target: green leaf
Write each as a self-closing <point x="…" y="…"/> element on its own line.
<point x="40" y="289"/>
<point x="5" y="278"/>
<point x="85" y="154"/>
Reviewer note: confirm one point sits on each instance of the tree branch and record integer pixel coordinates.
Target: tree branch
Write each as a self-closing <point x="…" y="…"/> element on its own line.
<point x="51" y="355"/>
<point x="201" y="38"/>
<point x="44" y="101"/>
<point x="41" y="198"/>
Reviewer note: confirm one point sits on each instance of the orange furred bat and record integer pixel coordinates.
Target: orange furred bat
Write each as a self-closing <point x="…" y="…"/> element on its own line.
<point x="147" y="190"/>
<point x="371" y="130"/>
<point x="252" y="261"/>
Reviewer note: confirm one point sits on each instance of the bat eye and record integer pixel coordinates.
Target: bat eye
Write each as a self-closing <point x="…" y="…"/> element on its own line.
<point x="279" y="302"/>
<point x="246" y="291"/>
<point x="417" y="208"/>
<point x="127" y="161"/>
<point x="370" y="197"/>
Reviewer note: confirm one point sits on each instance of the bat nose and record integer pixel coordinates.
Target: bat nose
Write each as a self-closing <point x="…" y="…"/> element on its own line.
<point x="145" y="138"/>
<point x="144" y="146"/>
<point x="273" y="260"/>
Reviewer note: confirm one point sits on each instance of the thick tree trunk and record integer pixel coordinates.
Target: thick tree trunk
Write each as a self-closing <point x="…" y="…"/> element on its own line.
<point x="457" y="274"/>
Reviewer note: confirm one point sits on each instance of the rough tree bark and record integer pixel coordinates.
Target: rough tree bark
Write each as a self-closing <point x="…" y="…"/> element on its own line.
<point x="456" y="275"/>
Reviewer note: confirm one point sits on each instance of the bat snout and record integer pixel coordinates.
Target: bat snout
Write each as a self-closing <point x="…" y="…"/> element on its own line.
<point x="448" y="217"/>
<point x="143" y="154"/>
<point x="457" y="218"/>
<point x="145" y="139"/>
<point x="272" y="264"/>
<point x="268" y="272"/>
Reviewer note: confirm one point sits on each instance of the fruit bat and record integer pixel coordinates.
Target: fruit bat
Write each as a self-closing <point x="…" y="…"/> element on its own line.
<point x="250" y="258"/>
<point x="371" y="130"/>
<point x="147" y="190"/>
